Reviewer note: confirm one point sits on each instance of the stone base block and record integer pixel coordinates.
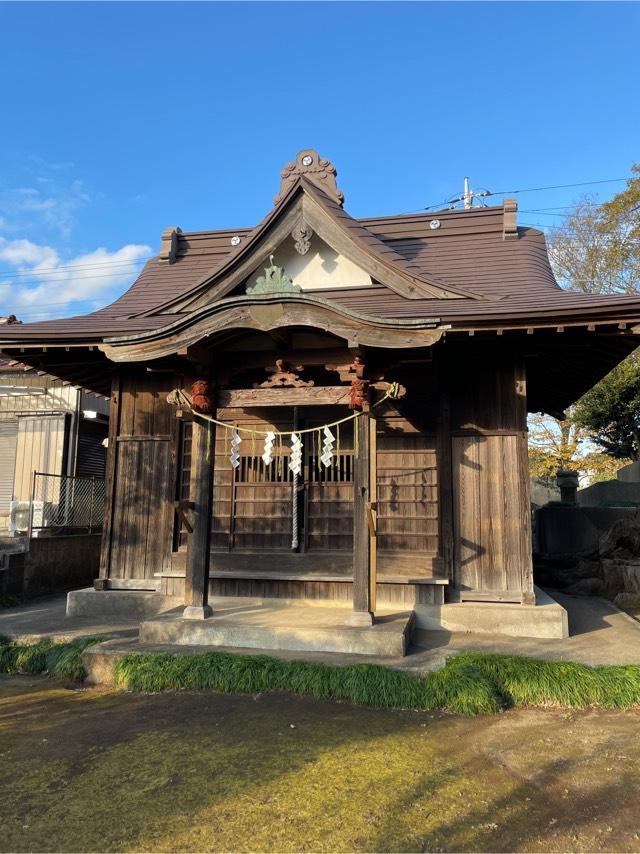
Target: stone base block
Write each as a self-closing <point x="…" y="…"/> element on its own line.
<point x="290" y="628"/>
<point x="119" y="603"/>
<point x="545" y="619"/>
<point x="197" y="612"/>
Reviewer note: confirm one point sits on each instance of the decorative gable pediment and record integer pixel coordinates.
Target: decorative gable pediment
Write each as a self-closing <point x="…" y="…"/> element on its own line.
<point x="317" y="244"/>
<point x="312" y="266"/>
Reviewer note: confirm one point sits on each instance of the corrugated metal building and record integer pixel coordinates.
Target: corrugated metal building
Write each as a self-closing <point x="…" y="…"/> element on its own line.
<point x="46" y="425"/>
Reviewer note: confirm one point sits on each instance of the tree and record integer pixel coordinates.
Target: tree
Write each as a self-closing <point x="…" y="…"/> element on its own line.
<point x="564" y="445"/>
<point x="596" y="249"/>
<point x="620" y="222"/>
<point x="610" y="412"/>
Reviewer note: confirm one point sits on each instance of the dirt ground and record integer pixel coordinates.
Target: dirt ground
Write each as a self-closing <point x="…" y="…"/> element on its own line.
<point x="89" y="770"/>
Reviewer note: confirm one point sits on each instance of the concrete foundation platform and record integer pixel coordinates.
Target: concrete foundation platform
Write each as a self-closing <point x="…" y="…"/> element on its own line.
<point x="267" y="624"/>
<point x="126" y="604"/>
<point x="546" y="619"/>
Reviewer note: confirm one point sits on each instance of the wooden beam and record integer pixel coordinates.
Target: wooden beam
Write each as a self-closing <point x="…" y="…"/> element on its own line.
<point x="362" y="614"/>
<point x="199" y="544"/>
<point x="265" y="314"/>
<point x="197" y="354"/>
<point x="244" y="398"/>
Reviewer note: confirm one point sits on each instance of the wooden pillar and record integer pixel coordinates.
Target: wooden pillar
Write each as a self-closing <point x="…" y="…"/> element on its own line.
<point x="362" y="614"/>
<point x="444" y="469"/>
<point x="526" y="546"/>
<point x="199" y="544"/>
<point x="102" y="582"/>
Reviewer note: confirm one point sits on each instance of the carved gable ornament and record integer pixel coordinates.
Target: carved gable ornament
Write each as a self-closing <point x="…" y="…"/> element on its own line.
<point x="274" y="281"/>
<point x="314" y="168"/>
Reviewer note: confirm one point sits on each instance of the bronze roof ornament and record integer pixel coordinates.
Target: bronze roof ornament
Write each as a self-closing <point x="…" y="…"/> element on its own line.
<point x="274" y="281"/>
<point x="308" y="164"/>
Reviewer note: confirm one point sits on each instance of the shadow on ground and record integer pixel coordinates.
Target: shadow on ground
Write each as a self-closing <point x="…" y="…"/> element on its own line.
<point x="97" y="770"/>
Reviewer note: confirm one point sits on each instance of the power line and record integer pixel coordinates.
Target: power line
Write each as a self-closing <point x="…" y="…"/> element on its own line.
<point x="73" y="267"/>
<point x="556" y="187"/>
<point x="539" y="189"/>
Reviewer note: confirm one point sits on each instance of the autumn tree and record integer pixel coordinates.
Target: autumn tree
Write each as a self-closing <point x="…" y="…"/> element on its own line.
<point x="596" y="250"/>
<point x="556" y="445"/>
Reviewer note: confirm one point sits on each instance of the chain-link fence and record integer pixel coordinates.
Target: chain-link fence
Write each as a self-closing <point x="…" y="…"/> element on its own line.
<point x="61" y="501"/>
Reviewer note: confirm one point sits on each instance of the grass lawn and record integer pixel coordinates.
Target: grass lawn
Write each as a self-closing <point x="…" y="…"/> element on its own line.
<point x="97" y="770"/>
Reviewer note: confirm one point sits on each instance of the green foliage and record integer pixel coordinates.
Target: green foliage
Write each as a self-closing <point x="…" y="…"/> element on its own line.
<point x="62" y="660"/>
<point x="596" y="250"/>
<point x="610" y="412"/>
<point x="470" y="684"/>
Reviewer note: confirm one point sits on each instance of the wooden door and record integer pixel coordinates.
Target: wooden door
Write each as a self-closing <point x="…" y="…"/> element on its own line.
<point x="139" y="513"/>
<point x="490" y="519"/>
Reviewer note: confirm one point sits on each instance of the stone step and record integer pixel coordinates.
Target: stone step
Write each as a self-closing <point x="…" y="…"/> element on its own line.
<point x="100" y="660"/>
<point x="271" y="627"/>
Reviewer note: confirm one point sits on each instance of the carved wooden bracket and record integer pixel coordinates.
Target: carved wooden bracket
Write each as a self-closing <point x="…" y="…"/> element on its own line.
<point x="302" y="235"/>
<point x="283" y="376"/>
<point x="354" y="370"/>
<point x="360" y="393"/>
<point x="202" y="397"/>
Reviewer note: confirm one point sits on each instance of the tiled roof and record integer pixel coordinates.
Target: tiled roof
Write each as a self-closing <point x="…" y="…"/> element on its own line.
<point x="467" y="252"/>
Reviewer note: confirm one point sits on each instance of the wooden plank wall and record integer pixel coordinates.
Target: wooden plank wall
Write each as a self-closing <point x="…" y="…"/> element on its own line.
<point x="408" y="519"/>
<point x="141" y="477"/>
<point x="491" y="516"/>
<point x="252" y="510"/>
<point x="251" y="507"/>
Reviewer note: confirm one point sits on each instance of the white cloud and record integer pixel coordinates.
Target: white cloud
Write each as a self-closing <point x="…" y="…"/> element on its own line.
<point x="44" y="284"/>
<point x="38" y="278"/>
<point x="52" y="206"/>
<point x="19" y="252"/>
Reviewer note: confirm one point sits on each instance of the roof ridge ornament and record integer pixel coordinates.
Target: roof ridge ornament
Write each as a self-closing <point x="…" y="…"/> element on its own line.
<point x="308" y="164"/>
<point x="509" y="219"/>
<point x="169" y="244"/>
<point x="274" y="281"/>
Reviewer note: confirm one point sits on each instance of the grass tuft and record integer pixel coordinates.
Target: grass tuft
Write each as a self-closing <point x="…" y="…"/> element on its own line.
<point x="469" y="684"/>
<point x="62" y="660"/>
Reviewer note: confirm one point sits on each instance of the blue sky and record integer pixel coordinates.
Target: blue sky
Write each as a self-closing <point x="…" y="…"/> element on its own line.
<point x="120" y="119"/>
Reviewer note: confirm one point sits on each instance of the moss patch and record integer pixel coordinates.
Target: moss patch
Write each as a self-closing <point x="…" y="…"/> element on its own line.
<point x="95" y="771"/>
<point x="470" y="684"/>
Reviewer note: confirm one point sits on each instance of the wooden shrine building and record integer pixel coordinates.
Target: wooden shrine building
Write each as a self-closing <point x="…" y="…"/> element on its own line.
<point x="428" y="336"/>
